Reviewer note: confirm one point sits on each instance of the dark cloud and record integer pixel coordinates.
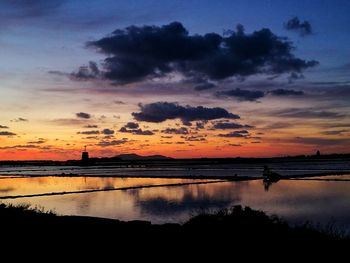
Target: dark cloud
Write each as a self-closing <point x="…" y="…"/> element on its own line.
<point x="166" y="137"/>
<point x="24" y="146"/>
<point x="112" y="143"/>
<point x="83" y="115"/>
<point x="107" y="131"/>
<point x="162" y="111"/>
<point x="242" y="95"/>
<point x="91" y="126"/>
<point x="19" y="120"/>
<point x="119" y="102"/>
<point x="234" y="145"/>
<point x="86" y="72"/>
<point x="204" y="86"/>
<point x="194" y="138"/>
<point x="279" y="125"/>
<point x="39" y="141"/>
<point x="6" y="133"/>
<point x="321" y="141"/>
<point x="137" y="53"/>
<point x="303" y="28"/>
<point x="3" y="127"/>
<point x="182" y="130"/>
<point x="12" y="9"/>
<point x="230" y="125"/>
<point x="334" y="132"/>
<point x="286" y="92"/>
<point x="236" y="134"/>
<point x="200" y="125"/>
<point x="89" y="132"/>
<point x="307" y="113"/>
<point x="136" y="131"/>
<point x="131" y="125"/>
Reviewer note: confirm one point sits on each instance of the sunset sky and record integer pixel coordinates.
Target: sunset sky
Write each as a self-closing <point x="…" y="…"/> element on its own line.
<point x="192" y="78"/>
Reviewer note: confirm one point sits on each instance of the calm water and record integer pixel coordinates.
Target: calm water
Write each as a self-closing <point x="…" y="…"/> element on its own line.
<point x="294" y="200"/>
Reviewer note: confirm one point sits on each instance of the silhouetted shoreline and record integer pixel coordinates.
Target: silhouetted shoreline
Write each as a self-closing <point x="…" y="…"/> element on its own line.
<point x="240" y="224"/>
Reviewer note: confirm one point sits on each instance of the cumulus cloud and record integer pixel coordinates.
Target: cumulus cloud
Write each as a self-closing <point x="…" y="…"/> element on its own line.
<point x="143" y="52"/>
<point x="181" y="130"/>
<point x="303" y="28"/>
<point x="131" y="125"/>
<point x="286" y="92"/>
<point x="83" y="115"/>
<point x="107" y="131"/>
<point x="162" y="111"/>
<point x="242" y="95"/>
<point x="133" y="128"/>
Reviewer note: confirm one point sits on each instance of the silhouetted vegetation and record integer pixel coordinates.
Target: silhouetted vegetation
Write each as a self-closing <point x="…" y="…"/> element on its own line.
<point x="237" y="226"/>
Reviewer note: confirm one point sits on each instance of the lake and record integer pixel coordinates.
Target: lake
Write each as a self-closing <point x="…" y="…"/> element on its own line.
<point x="175" y="200"/>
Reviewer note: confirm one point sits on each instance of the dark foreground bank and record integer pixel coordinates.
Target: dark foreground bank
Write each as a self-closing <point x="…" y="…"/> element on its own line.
<point x="236" y="227"/>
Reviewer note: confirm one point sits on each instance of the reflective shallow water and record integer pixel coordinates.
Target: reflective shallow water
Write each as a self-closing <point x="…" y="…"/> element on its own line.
<point x="294" y="200"/>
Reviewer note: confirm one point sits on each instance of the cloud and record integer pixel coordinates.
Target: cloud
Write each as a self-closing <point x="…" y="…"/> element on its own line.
<point x="91" y="126"/>
<point x="162" y="111"/>
<point x="89" y="132"/>
<point x="6" y="133"/>
<point x="28" y="9"/>
<point x="286" y="92"/>
<point x="107" y="131"/>
<point x="204" y="86"/>
<point x="234" y="145"/>
<point x="236" y="134"/>
<point x="194" y="138"/>
<point x="119" y="102"/>
<point x="242" y="95"/>
<point x="68" y="122"/>
<point x="85" y="72"/>
<point x="137" y="53"/>
<point x="229" y="125"/>
<point x="19" y="120"/>
<point x="334" y="132"/>
<point x="182" y="130"/>
<point x="321" y="141"/>
<point x="136" y="131"/>
<point x="303" y="28"/>
<point x="307" y="113"/>
<point x="24" y="146"/>
<point x="39" y="141"/>
<point x="131" y="125"/>
<point x="278" y="125"/>
<point x="3" y="127"/>
<point x="83" y="115"/>
<point x="112" y="143"/>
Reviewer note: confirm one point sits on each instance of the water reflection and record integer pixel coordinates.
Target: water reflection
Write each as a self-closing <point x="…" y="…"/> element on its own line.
<point x="297" y="201"/>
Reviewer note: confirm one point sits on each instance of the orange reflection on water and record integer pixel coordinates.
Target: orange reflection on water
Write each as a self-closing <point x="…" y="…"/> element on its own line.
<point x="51" y="184"/>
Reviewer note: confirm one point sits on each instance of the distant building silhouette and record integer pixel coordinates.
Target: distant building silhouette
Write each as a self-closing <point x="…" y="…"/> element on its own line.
<point x="85" y="156"/>
<point x="318" y="153"/>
